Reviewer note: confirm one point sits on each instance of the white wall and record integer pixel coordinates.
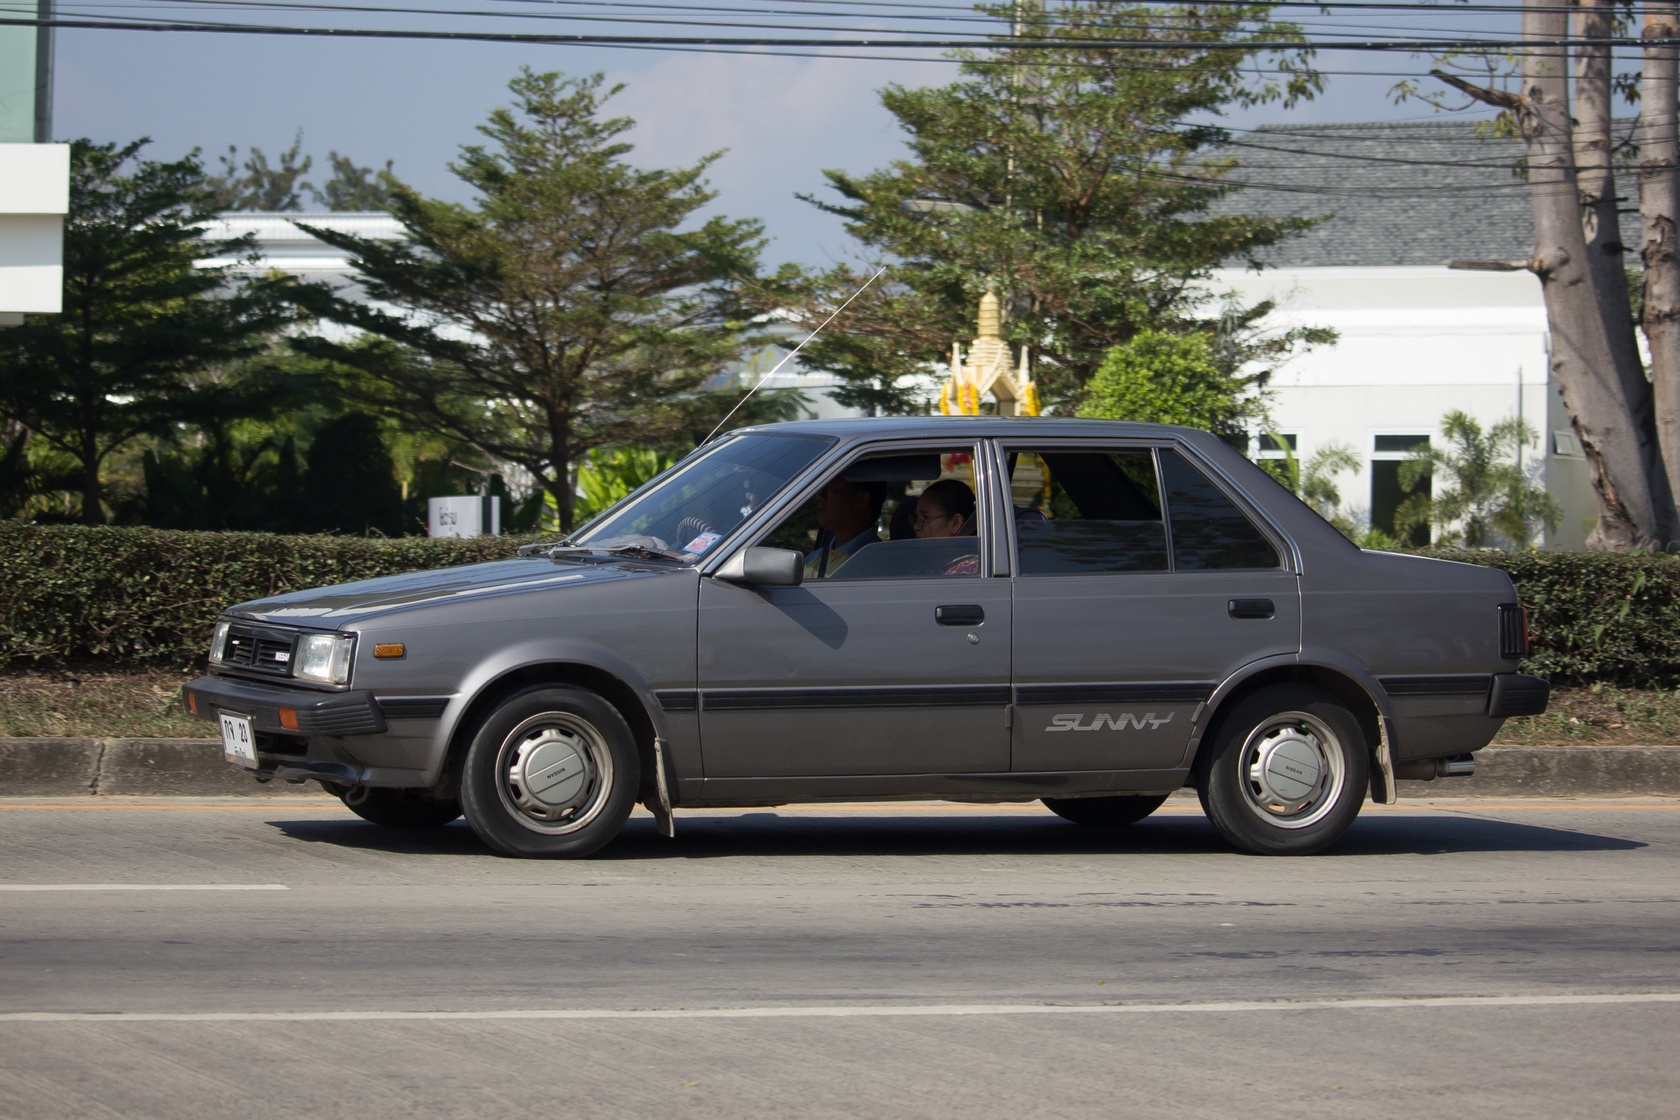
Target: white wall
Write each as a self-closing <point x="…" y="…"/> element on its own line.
<point x="34" y="197"/>
<point x="1416" y="343"/>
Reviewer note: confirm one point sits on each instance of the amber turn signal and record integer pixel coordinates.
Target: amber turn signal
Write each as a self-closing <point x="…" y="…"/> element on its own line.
<point x="288" y="719"/>
<point x="393" y="649"/>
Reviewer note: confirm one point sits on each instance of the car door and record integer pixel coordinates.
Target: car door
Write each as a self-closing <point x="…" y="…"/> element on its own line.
<point x="896" y="663"/>
<point x="1140" y="584"/>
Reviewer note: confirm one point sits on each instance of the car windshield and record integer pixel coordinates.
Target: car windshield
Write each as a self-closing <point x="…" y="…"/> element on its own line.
<point x="701" y="500"/>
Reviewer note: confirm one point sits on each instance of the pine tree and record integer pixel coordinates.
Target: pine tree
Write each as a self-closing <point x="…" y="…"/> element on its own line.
<point x="575" y="305"/>
<point x="1074" y="179"/>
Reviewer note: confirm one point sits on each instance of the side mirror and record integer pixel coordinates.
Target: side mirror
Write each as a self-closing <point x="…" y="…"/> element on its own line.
<point x="764" y="567"/>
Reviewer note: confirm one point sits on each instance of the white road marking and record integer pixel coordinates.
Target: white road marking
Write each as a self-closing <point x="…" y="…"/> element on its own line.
<point x="842" y="1012"/>
<point x="144" y="887"/>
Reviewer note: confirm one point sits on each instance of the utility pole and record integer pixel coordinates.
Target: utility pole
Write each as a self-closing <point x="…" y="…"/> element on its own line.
<point x="43" y="72"/>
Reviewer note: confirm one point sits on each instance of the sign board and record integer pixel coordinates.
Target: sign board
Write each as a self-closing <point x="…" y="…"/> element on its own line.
<point x="465" y="516"/>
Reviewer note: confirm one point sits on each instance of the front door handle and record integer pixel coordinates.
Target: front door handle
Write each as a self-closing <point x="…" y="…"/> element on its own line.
<point x="959" y="614"/>
<point x="1252" y="608"/>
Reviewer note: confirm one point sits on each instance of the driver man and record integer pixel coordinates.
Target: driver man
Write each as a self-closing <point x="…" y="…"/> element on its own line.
<point x="848" y="512"/>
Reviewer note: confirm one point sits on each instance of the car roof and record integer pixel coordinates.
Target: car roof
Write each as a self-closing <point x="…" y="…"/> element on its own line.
<point x="859" y="427"/>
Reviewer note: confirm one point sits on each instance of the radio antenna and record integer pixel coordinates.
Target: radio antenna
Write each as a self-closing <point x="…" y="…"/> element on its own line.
<point x="791" y="353"/>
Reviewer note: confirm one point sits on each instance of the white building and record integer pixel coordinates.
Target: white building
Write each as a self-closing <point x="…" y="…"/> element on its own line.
<point x="1418" y="339"/>
<point x="282" y="245"/>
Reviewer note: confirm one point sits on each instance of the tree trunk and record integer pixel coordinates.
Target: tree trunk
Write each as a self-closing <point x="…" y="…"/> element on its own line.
<point x="93" y="497"/>
<point x="1582" y="356"/>
<point x="1659" y="202"/>
<point x="1596" y="182"/>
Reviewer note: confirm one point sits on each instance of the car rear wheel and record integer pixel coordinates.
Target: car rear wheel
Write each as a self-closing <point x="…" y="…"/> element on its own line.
<point x="1105" y="812"/>
<point x="551" y="773"/>
<point x="1286" y="772"/>
<point x="400" y="808"/>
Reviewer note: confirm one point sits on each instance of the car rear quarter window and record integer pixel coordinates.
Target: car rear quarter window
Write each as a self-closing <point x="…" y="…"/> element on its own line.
<point x="1208" y="530"/>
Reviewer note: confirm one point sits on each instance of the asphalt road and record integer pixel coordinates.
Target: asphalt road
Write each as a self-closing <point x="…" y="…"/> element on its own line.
<point x="199" y="959"/>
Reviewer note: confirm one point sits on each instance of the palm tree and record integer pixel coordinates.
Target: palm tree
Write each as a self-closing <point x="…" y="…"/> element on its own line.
<point x="1480" y="494"/>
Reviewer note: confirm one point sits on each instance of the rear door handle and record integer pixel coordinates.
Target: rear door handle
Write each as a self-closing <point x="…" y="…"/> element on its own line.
<point x="1252" y="608"/>
<point x="959" y="614"/>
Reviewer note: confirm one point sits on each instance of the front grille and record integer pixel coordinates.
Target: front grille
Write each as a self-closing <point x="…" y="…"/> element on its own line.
<point x="1513" y="632"/>
<point x="258" y="650"/>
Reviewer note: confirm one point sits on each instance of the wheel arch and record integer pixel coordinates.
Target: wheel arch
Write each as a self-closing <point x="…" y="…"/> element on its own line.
<point x="611" y="687"/>
<point x="1352" y="687"/>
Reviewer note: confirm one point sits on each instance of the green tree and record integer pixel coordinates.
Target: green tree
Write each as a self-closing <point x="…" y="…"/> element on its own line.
<point x="579" y="303"/>
<point x="1161" y="378"/>
<point x="607" y="476"/>
<point x="351" y="484"/>
<point x="1078" y="180"/>
<point x="355" y="188"/>
<point x="139" y="320"/>
<point x="1479" y="492"/>
<point x="257" y="184"/>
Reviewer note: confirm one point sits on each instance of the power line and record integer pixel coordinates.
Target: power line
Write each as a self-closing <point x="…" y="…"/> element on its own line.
<point x="1001" y="43"/>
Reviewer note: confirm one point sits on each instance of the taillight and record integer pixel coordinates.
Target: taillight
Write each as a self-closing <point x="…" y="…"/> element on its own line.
<point x="1513" y="631"/>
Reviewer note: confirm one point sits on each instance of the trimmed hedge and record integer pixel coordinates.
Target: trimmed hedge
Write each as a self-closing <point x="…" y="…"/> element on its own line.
<point x="70" y="592"/>
<point x="148" y="595"/>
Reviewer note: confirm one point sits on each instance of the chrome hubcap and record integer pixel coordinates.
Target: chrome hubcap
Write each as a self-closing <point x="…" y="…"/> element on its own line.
<point x="554" y="771"/>
<point x="1292" y="769"/>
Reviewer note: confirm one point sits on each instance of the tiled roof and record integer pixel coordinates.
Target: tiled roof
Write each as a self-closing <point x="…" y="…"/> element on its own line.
<point x="1396" y="193"/>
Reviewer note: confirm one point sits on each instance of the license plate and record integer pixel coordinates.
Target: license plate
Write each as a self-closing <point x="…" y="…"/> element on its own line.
<point x="239" y="745"/>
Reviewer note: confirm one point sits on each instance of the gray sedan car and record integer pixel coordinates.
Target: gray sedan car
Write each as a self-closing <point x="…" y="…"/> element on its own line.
<point x="1092" y="614"/>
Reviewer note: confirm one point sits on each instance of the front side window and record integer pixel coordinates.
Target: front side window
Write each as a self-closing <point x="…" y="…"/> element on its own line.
<point x="895" y="515"/>
<point x="702" y="499"/>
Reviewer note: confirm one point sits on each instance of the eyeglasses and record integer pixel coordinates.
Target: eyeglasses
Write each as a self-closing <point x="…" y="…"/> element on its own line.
<point x="922" y="519"/>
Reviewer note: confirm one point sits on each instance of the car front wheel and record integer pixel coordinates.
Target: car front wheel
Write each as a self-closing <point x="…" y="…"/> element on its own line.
<point x="1286" y="772"/>
<point x="551" y="773"/>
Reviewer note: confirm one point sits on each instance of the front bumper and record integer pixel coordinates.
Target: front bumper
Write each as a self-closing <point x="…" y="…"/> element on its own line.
<point x="305" y="712"/>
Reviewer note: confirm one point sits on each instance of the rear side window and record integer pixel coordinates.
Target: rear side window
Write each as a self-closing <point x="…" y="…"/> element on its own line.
<point x="1087" y="512"/>
<point x="1208" y="530"/>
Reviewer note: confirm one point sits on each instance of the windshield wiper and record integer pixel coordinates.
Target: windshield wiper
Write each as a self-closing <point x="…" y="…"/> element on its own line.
<point x="642" y="552"/>
<point x="564" y="544"/>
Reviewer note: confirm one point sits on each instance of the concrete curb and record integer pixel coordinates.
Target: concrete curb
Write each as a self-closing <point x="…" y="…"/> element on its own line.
<point x="195" y="768"/>
<point x="128" y="768"/>
<point x="1562" y="772"/>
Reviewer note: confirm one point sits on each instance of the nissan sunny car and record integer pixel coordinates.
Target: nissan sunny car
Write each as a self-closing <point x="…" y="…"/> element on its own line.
<point x="1088" y="613"/>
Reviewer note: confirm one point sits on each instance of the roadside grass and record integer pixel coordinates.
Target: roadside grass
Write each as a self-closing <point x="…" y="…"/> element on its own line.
<point x="97" y="701"/>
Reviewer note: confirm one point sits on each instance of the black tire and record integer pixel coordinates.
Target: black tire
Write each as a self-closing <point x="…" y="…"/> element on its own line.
<point x="1105" y="812"/>
<point x="1285" y="772"/>
<point x="551" y="773"/>
<point x="401" y="808"/>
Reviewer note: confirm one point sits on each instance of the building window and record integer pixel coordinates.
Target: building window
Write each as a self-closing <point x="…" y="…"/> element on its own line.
<point x="1277" y="445"/>
<point x="1387" y="453"/>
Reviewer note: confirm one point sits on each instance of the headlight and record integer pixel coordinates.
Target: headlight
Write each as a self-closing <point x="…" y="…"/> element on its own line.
<point x="218" y="642"/>
<point x="324" y="658"/>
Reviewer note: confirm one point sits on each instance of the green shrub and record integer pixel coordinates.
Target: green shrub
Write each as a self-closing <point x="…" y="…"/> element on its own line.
<point x="129" y="595"/>
<point x="147" y="595"/>
<point x="1595" y="616"/>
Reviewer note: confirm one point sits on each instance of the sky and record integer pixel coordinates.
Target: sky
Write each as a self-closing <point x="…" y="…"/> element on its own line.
<point x="782" y="119"/>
